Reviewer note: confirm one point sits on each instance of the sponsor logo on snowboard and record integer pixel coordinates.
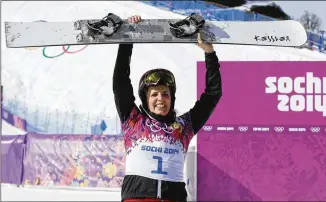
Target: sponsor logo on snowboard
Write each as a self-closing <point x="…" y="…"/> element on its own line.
<point x="272" y="38"/>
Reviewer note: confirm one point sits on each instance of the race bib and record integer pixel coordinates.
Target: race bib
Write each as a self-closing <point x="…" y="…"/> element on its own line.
<point x="157" y="160"/>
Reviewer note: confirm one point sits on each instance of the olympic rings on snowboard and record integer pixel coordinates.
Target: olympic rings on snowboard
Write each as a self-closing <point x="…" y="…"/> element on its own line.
<point x="64" y="50"/>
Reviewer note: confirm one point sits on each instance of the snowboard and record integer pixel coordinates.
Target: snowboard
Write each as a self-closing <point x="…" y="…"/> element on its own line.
<point x="113" y="30"/>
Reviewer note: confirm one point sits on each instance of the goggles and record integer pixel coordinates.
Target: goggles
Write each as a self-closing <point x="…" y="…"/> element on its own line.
<point x="160" y="77"/>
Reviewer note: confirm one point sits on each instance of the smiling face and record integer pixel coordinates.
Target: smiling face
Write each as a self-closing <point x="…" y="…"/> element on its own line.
<point x="159" y="99"/>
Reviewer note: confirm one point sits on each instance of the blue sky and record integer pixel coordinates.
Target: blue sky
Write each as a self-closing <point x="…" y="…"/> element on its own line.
<point x="296" y="9"/>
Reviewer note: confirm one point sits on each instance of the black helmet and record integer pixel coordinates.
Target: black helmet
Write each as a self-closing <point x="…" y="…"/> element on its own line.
<point x="156" y="77"/>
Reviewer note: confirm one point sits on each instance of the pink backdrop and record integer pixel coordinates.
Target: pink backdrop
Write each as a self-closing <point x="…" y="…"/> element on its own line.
<point x="251" y="149"/>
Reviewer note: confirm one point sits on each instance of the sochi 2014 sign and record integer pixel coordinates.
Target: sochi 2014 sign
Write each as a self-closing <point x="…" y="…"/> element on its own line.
<point x="266" y="139"/>
<point x="269" y="97"/>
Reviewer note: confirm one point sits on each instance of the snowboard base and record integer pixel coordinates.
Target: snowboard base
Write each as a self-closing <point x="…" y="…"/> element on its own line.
<point x="287" y="33"/>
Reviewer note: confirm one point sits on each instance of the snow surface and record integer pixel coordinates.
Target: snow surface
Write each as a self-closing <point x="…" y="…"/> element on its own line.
<point x="7" y="129"/>
<point x="11" y="193"/>
<point x="249" y="4"/>
<point x="82" y="82"/>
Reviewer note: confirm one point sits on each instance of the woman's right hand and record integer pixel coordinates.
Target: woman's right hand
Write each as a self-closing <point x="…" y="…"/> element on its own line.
<point x="134" y="19"/>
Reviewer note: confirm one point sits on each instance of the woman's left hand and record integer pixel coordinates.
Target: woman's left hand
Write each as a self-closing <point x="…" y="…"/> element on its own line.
<point x="208" y="48"/>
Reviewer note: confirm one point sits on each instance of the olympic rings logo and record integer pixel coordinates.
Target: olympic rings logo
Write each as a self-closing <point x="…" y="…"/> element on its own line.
<point x="243" y="128"/>
<point x="279" y="129"/>
<point x="207" y="128"/>
<point x="315" y="129"/>
<point x="156" y="128"/>
<point x="64" y="50"/>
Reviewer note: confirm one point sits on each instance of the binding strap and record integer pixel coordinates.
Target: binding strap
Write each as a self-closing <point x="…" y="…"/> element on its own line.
<point x="103" y="27"/>
<point x="188" y="26"/>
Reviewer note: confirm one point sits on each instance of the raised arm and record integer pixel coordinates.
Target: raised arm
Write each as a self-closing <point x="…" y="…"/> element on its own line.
<point x="205" y="106"/>
<point x="122" y="87"/>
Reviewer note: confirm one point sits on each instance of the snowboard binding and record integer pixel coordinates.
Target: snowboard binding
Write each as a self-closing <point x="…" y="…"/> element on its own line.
<point x="188" y="26"/>
<point x="107" y="26"/>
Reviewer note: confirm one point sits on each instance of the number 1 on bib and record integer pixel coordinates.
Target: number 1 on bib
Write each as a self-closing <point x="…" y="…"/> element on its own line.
<point x="159" y="166"/>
